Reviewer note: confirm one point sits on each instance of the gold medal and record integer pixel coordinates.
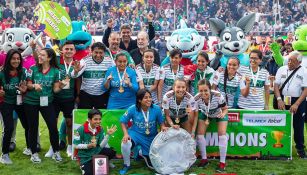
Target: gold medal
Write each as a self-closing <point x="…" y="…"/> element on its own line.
<point x="147" y="131"/>
<point x="67" y="77"/>
<point x="93" y="139"/>
<point x="177" y="120"/>
<point x="121" y="89"/>
<point x="254" y="91"/>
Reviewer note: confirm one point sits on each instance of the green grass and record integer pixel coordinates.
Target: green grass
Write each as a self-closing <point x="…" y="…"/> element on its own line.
<point x="23" y="166"/>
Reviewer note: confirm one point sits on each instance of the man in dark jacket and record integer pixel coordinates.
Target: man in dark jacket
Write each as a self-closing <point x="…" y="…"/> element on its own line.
<point x="127" y="43"/>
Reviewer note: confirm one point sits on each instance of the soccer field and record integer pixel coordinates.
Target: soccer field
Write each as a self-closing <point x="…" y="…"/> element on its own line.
<point x="22" y="164"/>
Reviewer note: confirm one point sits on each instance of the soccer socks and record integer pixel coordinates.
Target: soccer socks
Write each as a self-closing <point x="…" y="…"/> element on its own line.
<point x="201" y="141"/>
<point x="62" y="131"/>
<point x="223" y="147"/>
<point x="126" y="151"/>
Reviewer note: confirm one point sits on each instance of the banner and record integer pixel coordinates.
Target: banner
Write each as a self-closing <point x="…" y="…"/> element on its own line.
<point x="254" y="134"/>
<point x="251" y="134"/>
<point x="53" y="20"/>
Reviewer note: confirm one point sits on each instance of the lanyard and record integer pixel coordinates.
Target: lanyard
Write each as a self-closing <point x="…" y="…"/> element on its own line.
<point x="264" y="48"/>
<point x="177" y="107"/>
<point x="67" y="69"/>
<point x="255" y="78"/>
<point x="175" y="75"/>
<point x="146" y="117"/>
<point x="120" y="77"/>
<point x="202" y="77"/>
<point x="208" y="106"/>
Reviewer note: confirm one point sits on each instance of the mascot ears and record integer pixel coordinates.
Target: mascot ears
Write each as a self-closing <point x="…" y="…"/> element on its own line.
<point x="216" y="25"/>
<point x="246" y="23"/>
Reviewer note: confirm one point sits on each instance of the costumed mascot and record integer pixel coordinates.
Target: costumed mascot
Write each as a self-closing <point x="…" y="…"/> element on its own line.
<point x="18" y="39"/>
<point x="188" y="41"/>
<point x="232" y="40"/>
<point x="82" y="40"/>
<point x="300" y="44"/>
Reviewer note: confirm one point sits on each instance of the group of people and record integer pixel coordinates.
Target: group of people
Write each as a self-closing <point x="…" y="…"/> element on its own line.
<point x="121" y="73"/>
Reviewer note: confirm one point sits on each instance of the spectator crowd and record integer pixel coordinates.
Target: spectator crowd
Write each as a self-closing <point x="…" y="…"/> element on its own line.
<point x="288" y="14"/>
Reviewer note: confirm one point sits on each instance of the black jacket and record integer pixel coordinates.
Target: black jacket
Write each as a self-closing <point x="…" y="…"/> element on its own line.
<point x="133" y="43"/>
<point x="137" y="56"/>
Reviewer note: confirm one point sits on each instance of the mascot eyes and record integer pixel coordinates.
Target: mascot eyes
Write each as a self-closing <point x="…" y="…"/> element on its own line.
<point x="227" y="37"/>
<point x="10" y="37"/>
<point x="296" y="37"/>
<point x="26" y="37"/>
<point x="240" y="35"/>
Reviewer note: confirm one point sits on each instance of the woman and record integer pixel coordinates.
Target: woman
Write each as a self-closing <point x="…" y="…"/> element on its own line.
<point x="229" y="86"/>
<point x="43" y="82"/>
<point x="212" y="105"/>
<point x="199" y="71"/>
<point x="169" y="73"/>
<point x="13" y="85"/>
<point x="122" y="83"/>
<point x="256" y="83"/>
<point x="148" y="74"/>
<point x="178" y="106"/>
<point x="145" y="117"/>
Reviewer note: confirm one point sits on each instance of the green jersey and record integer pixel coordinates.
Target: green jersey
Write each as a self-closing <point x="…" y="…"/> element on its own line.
<point x="10" y="88"/>
<point x="66" y="93"/>
<point x="84" y="136"/>
<point x="46" y="80"/>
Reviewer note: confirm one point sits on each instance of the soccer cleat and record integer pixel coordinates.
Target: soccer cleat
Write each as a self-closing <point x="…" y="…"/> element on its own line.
<point x="35" y="158"/>
<point x="57" y="157"/>
<point x="124" y="170"/>
<point x="221" y="168"/>
<point x="69" y="150"/>
<point x="203" y="163"/>
<point x="5" y="159"/>
<point x="27" y="151"/>
<point x="302" y="154"/>
<point x="50" y="152"/>
<point x="12" y="146"/>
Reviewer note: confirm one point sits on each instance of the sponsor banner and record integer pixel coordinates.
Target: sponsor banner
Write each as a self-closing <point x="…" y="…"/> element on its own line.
<point x="251" y="134"/>
<point x="53" y="19"/>
<point x="254" y="134"/>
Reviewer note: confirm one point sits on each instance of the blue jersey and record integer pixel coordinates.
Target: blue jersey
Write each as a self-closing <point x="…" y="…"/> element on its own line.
<point x="138" y="128"/>
<point x="123" y="100"/>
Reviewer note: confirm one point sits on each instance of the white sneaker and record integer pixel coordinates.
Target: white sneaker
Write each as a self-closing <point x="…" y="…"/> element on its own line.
<point x="27" y="151"/>
<point x="57" y="157"/>
<point x="69" y="150"/>
<point x="35" y="158"/>
<point x="5" y="159"/>
<point x="49" y="153"/>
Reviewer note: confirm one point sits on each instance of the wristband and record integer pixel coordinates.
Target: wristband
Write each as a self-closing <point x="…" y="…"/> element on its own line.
<point x="278" y="98"/>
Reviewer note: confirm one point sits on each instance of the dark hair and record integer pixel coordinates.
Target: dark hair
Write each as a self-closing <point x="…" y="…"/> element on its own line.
<point x="125" y="26"/>
<point x="120" y="54"/>
<point x="226" y="76"/>
<point x="99" y="45"/>
<point x="175" y="52"/>
<point x="203" y="54"/>
<point x="149" y="50"/>
<point x="8" y="67"/>
<point x="67" y="43"/>
<point x="139" y="97"/>
<point x="204" y="82"/>
<point x="53" y="62"/>
<point x="281" y="41"/>
<point x="180" y="79"/>
<point x="258" y="52"/>
<point x="93" y="112"/>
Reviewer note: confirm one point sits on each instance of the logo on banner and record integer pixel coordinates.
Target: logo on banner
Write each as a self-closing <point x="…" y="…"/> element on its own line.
<point x="233" y="117"/>
<point x="264" y="119"/>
